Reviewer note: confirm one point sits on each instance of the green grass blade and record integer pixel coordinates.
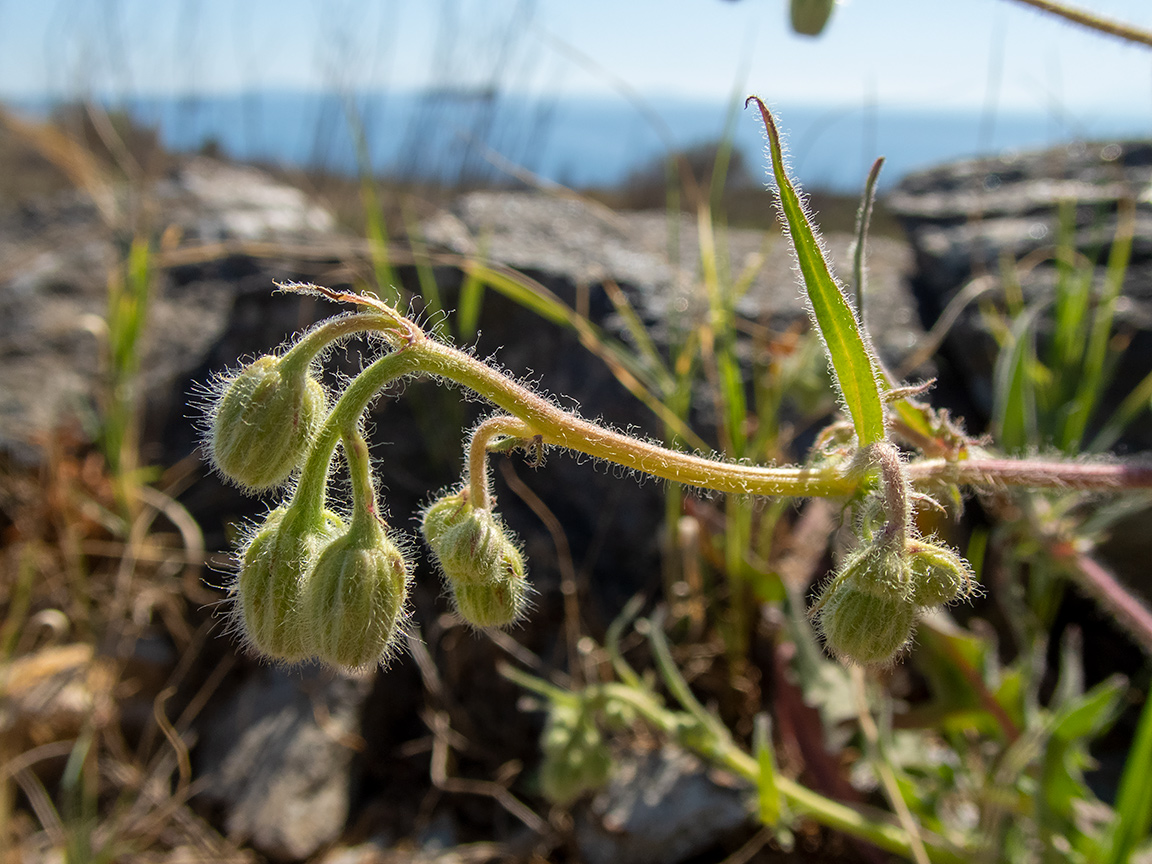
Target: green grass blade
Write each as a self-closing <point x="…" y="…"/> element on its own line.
<point x="426" y="276"/>
<point x="1134" y="798"/>
<point x="852" y="361"/>
<point x="1138" y="400"/>
<point x="471" y="299"/>
<point x="1014" y="408"/>
<point x="863" y="219"/>
<point x="1092" y="376"/>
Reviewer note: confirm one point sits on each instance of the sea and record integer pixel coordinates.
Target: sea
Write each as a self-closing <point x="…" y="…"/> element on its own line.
<point x="487" y="137"/>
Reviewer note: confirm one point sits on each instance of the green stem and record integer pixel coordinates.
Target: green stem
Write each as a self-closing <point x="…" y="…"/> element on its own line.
<point x="323" y="335"/>
<point x="310" y="492"/>
<point x="478" y="489"/>
<point x="869" y="826"/>
<point x="364" y="509"/>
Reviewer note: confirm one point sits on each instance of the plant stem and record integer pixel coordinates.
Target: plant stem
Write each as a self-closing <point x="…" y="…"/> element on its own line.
<point x="414" y="352"/>
<point x="1093" y="22"/>
<point x="478" y="487"/>
<point x="1033" y="473"/>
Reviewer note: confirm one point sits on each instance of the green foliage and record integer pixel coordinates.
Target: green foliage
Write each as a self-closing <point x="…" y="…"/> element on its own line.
<point x="852" y="359"/>
<point x="867" y="612"/>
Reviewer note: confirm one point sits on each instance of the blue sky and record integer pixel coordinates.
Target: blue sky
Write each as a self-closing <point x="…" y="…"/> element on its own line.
<point x="931" y="53"/>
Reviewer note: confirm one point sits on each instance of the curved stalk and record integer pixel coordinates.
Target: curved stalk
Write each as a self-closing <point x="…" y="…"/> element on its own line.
<point x="479" y="491"/>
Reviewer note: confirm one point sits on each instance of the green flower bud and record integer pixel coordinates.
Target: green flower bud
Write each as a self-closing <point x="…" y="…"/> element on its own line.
<point x="273" y="569"/>
<point x="810" y="16"/>
<point x="864" y="627"/>
<point x="354" y="600"/>
<point x="492" y="604"/>
<point x="939" y="575"/>
<point x="481" y="564"/>
<point x="470" y="544"/>
<point x="879" y="570"/>
<point x="576" y="759"/>
<point x="265" y="420"/>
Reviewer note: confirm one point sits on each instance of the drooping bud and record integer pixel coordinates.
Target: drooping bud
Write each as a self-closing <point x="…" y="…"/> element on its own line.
<point x="810" y="16"/>
<point x="492" y="604"/>
<point x="481" y="563"/>
<point x="865" y="613"/>
<point x="576" y="759"/>
<point x="265" y="420"/>
<point x="354" y="600"/>
<point x="273" y="570"/>
<point x="864" y="627"/>
<point x="939" y="575"/>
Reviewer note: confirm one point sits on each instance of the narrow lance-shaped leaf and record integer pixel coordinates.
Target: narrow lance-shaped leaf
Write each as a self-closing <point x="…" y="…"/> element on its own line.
<point x="852" y="361"/>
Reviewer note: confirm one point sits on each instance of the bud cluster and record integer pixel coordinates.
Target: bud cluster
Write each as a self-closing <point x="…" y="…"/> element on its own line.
<point x="307" y="587"/>
<point x="481" y="563"/>
<point x="867" y="612"/>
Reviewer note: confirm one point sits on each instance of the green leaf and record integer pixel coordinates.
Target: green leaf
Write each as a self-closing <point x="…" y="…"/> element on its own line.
<point x="1134" y="798"/>
<point x="852" y="361"/>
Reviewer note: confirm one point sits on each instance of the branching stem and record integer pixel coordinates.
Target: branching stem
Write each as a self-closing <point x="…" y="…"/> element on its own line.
<point x="534" y="416"/>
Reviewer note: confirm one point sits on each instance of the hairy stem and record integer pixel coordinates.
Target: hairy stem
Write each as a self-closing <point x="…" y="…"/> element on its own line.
<point x="1032" y="473"/>
<point x="413" y="352"/>
<point x="479" y="491"/>
<point x="1091" y="21"/>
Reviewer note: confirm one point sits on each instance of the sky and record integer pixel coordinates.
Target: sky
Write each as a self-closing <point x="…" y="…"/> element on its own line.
<point x="915" y="53"/>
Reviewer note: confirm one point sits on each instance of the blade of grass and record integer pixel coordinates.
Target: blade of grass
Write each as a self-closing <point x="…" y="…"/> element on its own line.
<point x="1091" y="379"/>
<point x="374" y="229"/>
<point x="1014" y="409"/>
<point x="426" y="276"/>
<point x="471" y="297"/>
<point x="1134" y="798"/>
<point x="1134" y="403"/>
<point x="852" y="361"/>
<point x="863" y="219"/>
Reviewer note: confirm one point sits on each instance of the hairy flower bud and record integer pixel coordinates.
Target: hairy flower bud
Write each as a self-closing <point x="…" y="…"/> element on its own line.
<point x="939" y="575"/>
<point x="864" y="627"/>
<point x="262" y="426"/>
<point x="576" y="759"/>
<point x="810" y="16"/>
<point x="273" y="569"/>
<point x="354" y="600"/>
<point x="492" y="604"/>
<point x="481" y="563"/>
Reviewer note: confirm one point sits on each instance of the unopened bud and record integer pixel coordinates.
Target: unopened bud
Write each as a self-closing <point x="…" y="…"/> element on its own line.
<point x="354" y="600"/>
<point x="492" y="604"/>
<point x="261" y="428"/>
<point x="269" y="585"/>
<point x="863" y="627"/>
<point x="939" y="575"/>
<point x="576" y="759"/>
<point x="810" y="16"/>
<point x="481" y="563"/>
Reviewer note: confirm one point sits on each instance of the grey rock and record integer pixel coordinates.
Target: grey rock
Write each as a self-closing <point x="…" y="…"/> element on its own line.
<point x="965" y="218"/>
<point x="278" y="758"/>
<point x="55" y="261"/>
<point x="656" y="260"/>
<point x="661" y="807"/>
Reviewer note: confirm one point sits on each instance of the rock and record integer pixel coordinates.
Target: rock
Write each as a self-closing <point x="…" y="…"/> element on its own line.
<point x="277" y="756"/>
<point x="661" y="808"/>
<point x="582" y="244"/>
<point x="55" y="259"/>
<point x="965" y="218"/>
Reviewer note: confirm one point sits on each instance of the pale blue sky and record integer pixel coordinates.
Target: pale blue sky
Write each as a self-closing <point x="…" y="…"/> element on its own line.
<point x="934" y="53"/>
